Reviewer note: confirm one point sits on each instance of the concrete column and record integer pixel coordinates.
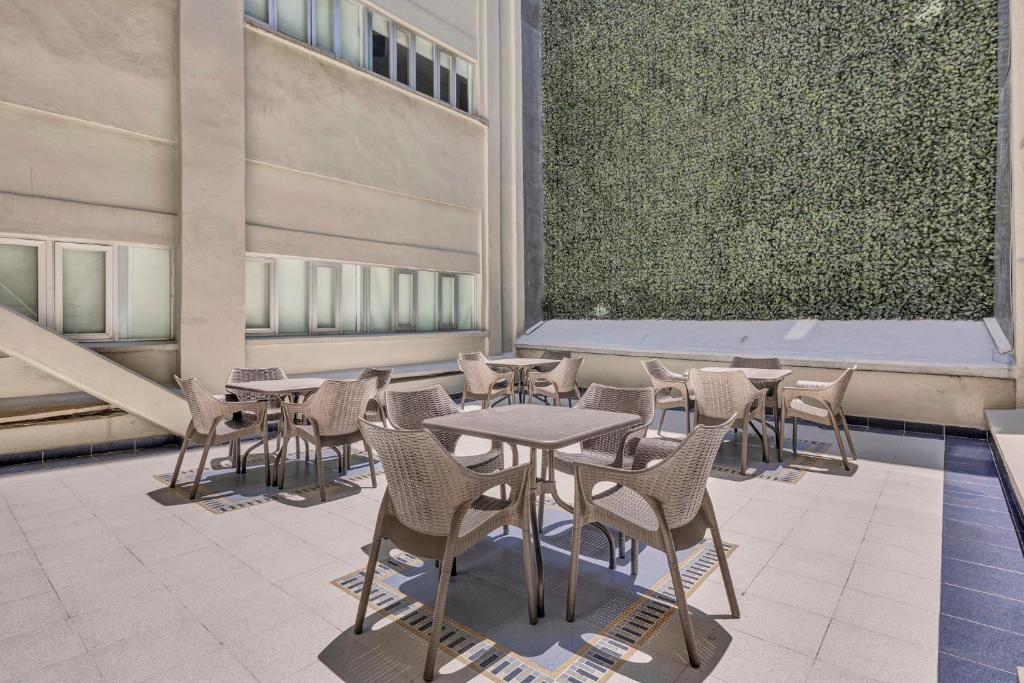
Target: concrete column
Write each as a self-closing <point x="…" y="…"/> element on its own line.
<point x="511" y="170"/>
<point x="211" y="254"/>
<point x="533" y="166"/>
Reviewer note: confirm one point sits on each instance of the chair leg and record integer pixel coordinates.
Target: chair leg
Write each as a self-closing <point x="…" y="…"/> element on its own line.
<point x="849" y="437"/>
<point x="839" y="441"/>
<point x="266" y="456"/>
<point x="622" y="546"/>
<point x="743" y="447"/>
<point x="528" y="567"/>
<point x="764" y="436"/>
<point x="282" y="465"/>
<point x="373" y="467"/>
<point x="181" y="455"/>
<point x="723" y="565"/>
<point x="199" y="472"/>
<point x="242" y="459"/>
<point x="634" y="557"/>
<point x="574" y="565"/>
<point x="684" y="613"/>
<point x="343" y="459"/>
<point x="795" y="420"/>
<point x="364" y="597"/>
<point x="439" y="606"/>
<point x="661" y="422"/>
<point x="318" y="455"/>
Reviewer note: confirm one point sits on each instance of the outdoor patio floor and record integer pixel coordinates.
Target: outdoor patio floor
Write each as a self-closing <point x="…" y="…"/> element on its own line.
<point x="107" y="575"/>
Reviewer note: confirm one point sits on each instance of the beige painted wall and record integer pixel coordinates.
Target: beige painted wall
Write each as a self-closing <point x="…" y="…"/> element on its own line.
<point x="935" y="399"/>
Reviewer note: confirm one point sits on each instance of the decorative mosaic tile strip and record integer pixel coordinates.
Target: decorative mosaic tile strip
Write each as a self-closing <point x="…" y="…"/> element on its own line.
<point x="596" y="661"/>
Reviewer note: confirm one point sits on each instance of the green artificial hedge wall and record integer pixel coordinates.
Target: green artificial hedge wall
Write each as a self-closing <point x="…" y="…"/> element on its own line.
<point x="764" y="159"/>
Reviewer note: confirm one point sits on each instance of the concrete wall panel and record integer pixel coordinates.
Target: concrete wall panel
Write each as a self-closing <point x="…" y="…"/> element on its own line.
<point x="108" y="61"/>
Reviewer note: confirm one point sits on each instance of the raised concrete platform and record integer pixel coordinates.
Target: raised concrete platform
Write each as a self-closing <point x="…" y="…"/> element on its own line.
<point x="943" y="347"/>
<point x="18" y="409"/>
<point x="1007" y="429"/>
<point x="914" y="371"/>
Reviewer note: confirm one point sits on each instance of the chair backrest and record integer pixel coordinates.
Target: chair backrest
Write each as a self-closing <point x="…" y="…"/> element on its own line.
<point x="425" y="484"/>
<point x="655" y="369"/>
<point x="761" y="363"/>
<point x="472" y="355"/>
<point x="836" y="391"/>
<point x="679" y="481"/>
<point x="255" y="375"/>
<point x="639" y="402"/>
<point x="563" y="375"/>
<point x="338" y="404"/>
<point x="408" y="410"/>
<point x="479" y="376"/>
<point x="720" y="394"/>
<point x="203" y="406"/>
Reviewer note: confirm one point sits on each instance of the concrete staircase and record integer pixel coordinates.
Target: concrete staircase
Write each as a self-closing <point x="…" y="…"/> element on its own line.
<point x="108" y="382"/>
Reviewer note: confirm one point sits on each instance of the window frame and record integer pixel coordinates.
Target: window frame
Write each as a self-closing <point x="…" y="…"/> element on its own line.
<point x="42" y="279"/>
<point x="272" y="303"/>
<point x="455" y="303"/>
<point x="395" y="326"/>
<point x="110" y="290"/>
<point x="314" y="294"/>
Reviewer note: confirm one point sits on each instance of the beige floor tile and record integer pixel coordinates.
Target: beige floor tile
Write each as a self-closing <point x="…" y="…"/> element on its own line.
<point x="127" y="616"/>
<point x="817" y="565"/>
<point x="771" y="521"/>
<point x="877" y="655"/>
<point x="926" y="565"/>
<point x="828" y="533"/>
<point x="906" y="588"/>
<point x="929" y="521"/>
<point x="289" y="647"/>
<point x="891" y="618"/>
<point x="148" y="654"/>
<point x="29" y="651"/>
<point x="782" y="624"/>
<point x="910" y="539"/>
<point x="796" y="590"/>
<point x="747" y="658"/>
<point x="823" y="672"/>
<point x="29" y="614"/>
<point x="80" y="669"/>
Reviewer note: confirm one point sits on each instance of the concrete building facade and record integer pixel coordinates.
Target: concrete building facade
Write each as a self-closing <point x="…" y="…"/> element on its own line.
<point x="194" y="185"/>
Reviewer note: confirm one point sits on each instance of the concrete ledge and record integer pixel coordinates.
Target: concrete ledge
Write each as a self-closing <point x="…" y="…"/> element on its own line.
<point x="938" y="347"/>
<point x="25" y="408"/>
<point x="1007" y="429"/>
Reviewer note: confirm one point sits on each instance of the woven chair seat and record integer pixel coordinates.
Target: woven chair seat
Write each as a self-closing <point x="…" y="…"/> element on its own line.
<point x="565" y="461"/>
<point x="491" y="461"/>
<point x="801" y="408"/>
<point x="476" y="524"/>
<point x="811" y="384"/>
<point x="240" y="427"/>
<point x="666" y="401"/>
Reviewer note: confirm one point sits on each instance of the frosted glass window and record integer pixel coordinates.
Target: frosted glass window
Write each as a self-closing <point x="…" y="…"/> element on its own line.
<point x="462" y="74"/>
<point x="426" y="301"/>
<point x="257" y="295"/>
<point x="402" y="56"/>
<point x="405" y="300"/>
<point x="351" y="299"/>
<point x="446" y="303"/>
<point x="326" y="297"/>
<point x="292" y="296"/>
<point x="19" y="278"/>
<point x="257" y="9"/>
<point x="293" y="17"/>
<point x="351" y="31"/>
<point x="425" y="66"/>
<point x="379" y="48"/>
<point x="143" y="293"/>
<point x="83" y="291"/>
<point x="445" y="78"/>
<point x="467" y="301"/>
<point x="324" y="19"/>
<point x="378" y="312"/>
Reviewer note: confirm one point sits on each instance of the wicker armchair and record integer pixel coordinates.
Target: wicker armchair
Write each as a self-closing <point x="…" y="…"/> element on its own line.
<point x="608" y="449"/>
<point x="669" y="390"/>
<point x="821" y="403"/>
<point x="485" y="384"/>
<point x="376" y="410"/>
<point x="666" y="506"/>
<point x="330" y="418"/>
<point x="408" y="410"/>
<point x="721" y="394"/>
<point x="273" y="402"/>
<point x="214" y="423"/>
<point x="436" y="509"/>
<point x="557" y="383"/>
<point x="761" y="363"/>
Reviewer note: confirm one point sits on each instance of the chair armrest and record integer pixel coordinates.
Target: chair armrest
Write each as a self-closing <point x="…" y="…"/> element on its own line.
<point x="810" y="384"/>
<point x="818" y="394"/>
<point x="647" y="451"/>
<point x="290" y="410"/>
<point x="515" y="477"/>
<point x="588" y="476"/>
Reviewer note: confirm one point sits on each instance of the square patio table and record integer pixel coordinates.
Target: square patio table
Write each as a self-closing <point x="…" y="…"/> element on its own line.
<point x="520" y="366"/>
<point x="539" y="428"/>
<point x="294" y="389"/>
<point x="763" y="378"/>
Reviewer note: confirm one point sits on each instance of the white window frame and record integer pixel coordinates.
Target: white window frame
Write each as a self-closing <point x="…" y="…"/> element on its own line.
<point x="110" y="293"/>
<point x="42" y="290"/>
<point x="314" y="293"/>
<point x="441" y="327"/>
<point x="394" y="295"/>
<point x="272" y="330"/>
